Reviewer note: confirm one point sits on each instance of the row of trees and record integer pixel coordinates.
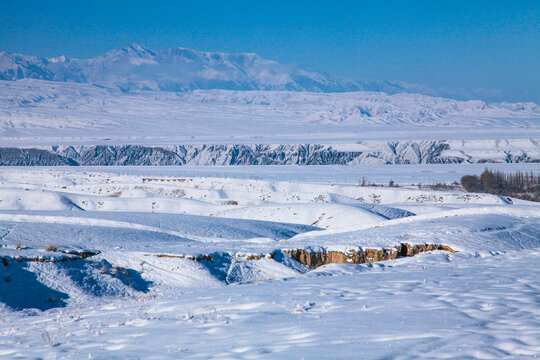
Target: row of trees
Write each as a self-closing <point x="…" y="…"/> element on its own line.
<point x="520" y="185"/>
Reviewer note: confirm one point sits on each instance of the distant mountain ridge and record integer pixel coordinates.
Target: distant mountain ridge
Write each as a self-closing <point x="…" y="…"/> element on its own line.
<point x="135" y="67"/>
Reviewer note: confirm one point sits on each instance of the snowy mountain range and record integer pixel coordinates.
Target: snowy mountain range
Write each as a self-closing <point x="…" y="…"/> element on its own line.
<point x="180" y="69"/>
<point x="137" y="96"/>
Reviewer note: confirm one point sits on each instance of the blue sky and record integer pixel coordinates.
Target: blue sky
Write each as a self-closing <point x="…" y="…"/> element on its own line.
<point x="491" y="45"/>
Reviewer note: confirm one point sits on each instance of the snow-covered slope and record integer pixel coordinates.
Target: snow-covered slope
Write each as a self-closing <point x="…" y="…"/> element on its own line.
<point x="144" y="263"/>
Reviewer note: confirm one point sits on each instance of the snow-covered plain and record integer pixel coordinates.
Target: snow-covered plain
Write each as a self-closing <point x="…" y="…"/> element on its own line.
<point x="195" y="265"/>
<point x="425" y="174"/>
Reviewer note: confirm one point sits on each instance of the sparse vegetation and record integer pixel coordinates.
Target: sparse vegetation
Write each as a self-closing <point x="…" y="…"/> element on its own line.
<point x="51" y="248"/>
<point x="178" y="193"/>
<point x="472" y="183"/>
<point x="48" y="339"/>
<point x="520" y="185"/>
<point x="364" y="182"/>
<point x="444" y="187"/>
<point x="115" y="194"/>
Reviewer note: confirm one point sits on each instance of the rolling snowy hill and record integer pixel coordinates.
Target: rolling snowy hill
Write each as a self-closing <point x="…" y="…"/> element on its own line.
<point x="145" y="262"/>
<point x="37" y="112"/>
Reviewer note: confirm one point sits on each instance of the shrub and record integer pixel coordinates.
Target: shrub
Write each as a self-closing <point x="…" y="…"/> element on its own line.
<point x="472" y="183"/>
<point x="443" y="186"/>
<point x="52" y="248"/>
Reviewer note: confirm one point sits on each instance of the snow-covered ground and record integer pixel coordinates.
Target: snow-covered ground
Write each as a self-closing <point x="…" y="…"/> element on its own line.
<point x="334" y="174"/>
<point x="195" y="263"/>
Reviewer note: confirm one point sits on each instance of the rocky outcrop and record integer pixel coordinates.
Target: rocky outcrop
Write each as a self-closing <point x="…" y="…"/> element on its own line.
<point x="315" y="259"/>
<point x="397" y="152"/>
<point x="11" y="156"/>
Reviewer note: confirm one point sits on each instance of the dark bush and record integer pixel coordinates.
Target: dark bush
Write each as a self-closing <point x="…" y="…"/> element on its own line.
<point x="472" y="183"/>
<point x="444" y="187"/>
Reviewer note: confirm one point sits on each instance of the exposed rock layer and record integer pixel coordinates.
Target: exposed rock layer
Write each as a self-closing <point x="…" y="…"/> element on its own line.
<point x="318" y="258"/>
<point x="398" y="152"/>
<point x="315" y="259"/>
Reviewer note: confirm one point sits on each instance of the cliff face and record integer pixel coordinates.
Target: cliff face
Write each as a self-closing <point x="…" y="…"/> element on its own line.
<point x="398" y="152"/>
<point x="319" y="258"/>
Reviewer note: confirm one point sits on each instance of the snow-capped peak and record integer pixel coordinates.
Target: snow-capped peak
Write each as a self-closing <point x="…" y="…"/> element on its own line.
<point x="59" y="59"/>
<point x="136" y="67"/>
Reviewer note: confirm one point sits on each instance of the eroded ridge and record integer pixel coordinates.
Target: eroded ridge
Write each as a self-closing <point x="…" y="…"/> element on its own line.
<point x="52" y="257"/>
<point x="315" y="259"/>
